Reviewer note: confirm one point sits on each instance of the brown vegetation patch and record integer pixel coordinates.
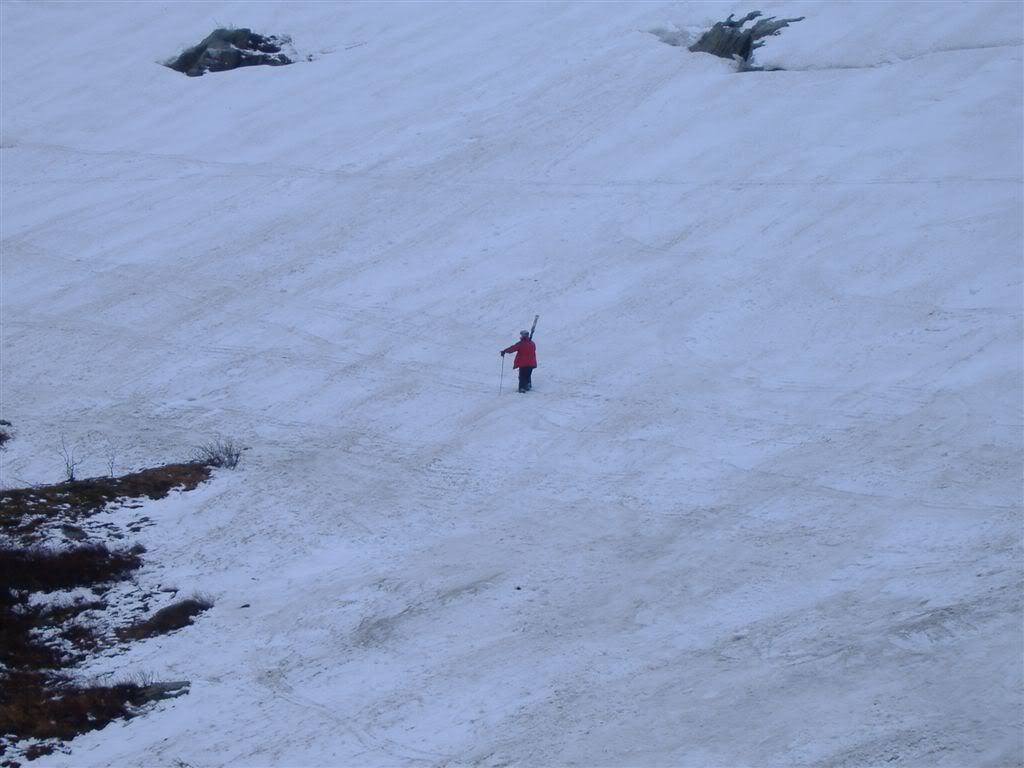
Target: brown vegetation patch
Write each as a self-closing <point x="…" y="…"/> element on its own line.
<point x="166" y="620"/>
<point x="37" y="569"/>
<point x="41" y="640"/>
<point x="38" y="706"/>
<point x="22" y="508"/>
<point x="59" y="614"/>
<point x="44" y="569"/>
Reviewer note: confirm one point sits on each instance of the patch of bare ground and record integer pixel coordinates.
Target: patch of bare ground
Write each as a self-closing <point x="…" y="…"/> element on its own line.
<point x="174" y="616"/>
<point x="24" y="510"/>
<point x="42" y="640"/>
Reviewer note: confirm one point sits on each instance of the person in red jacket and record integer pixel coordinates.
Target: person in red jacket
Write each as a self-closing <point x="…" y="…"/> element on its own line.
<point x="525" y="360"/>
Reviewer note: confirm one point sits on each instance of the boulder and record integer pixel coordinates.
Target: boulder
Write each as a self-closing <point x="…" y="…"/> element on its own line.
<point x="225" y="49"/>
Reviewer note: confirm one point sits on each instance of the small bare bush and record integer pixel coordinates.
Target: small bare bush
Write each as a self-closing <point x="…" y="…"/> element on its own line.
<point x="109" y="451"/>
<point x="140" y="679"/>
<point x="220" y="452"/>
<point x="70" y="457"/>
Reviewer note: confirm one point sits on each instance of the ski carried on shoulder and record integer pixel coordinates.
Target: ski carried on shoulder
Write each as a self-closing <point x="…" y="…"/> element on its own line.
<point x="526" y="360"/>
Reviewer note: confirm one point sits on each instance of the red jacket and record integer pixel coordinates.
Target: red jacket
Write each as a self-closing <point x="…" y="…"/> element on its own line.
<point x="526" y="353"/>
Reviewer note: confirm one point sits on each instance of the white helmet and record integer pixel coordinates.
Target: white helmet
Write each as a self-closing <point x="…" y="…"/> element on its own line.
<point x="524" y="333"/>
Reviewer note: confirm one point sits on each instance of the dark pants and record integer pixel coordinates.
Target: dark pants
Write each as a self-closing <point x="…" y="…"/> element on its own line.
<point x="524" y="379"/>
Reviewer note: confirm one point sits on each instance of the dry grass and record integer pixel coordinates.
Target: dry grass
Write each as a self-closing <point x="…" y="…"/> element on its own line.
<point x="23" y="509"/>
<point x="174" y="616"/>
<point x="45" y="569"/>
<point x="40" y="642"/>
<point x="39" y="706"/>
<point x="37" y="569"/>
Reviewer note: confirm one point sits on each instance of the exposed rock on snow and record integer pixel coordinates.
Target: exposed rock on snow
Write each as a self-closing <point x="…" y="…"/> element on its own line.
<point x="729" y="40"/>
<point x="225" y="49"/>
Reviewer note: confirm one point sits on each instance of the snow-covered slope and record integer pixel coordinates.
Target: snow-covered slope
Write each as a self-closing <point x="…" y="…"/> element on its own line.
<point x="764" y="504"/>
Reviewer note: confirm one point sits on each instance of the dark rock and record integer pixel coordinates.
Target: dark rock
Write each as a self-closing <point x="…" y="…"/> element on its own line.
<point x="225" y="49"/>
<point x="729" y="40"/>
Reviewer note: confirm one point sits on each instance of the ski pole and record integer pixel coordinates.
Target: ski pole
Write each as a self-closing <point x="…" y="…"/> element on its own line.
<point x="502" y="379"/>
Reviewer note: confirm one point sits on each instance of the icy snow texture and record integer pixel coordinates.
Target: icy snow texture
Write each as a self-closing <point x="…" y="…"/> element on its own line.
<point x="763" y="506"/>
